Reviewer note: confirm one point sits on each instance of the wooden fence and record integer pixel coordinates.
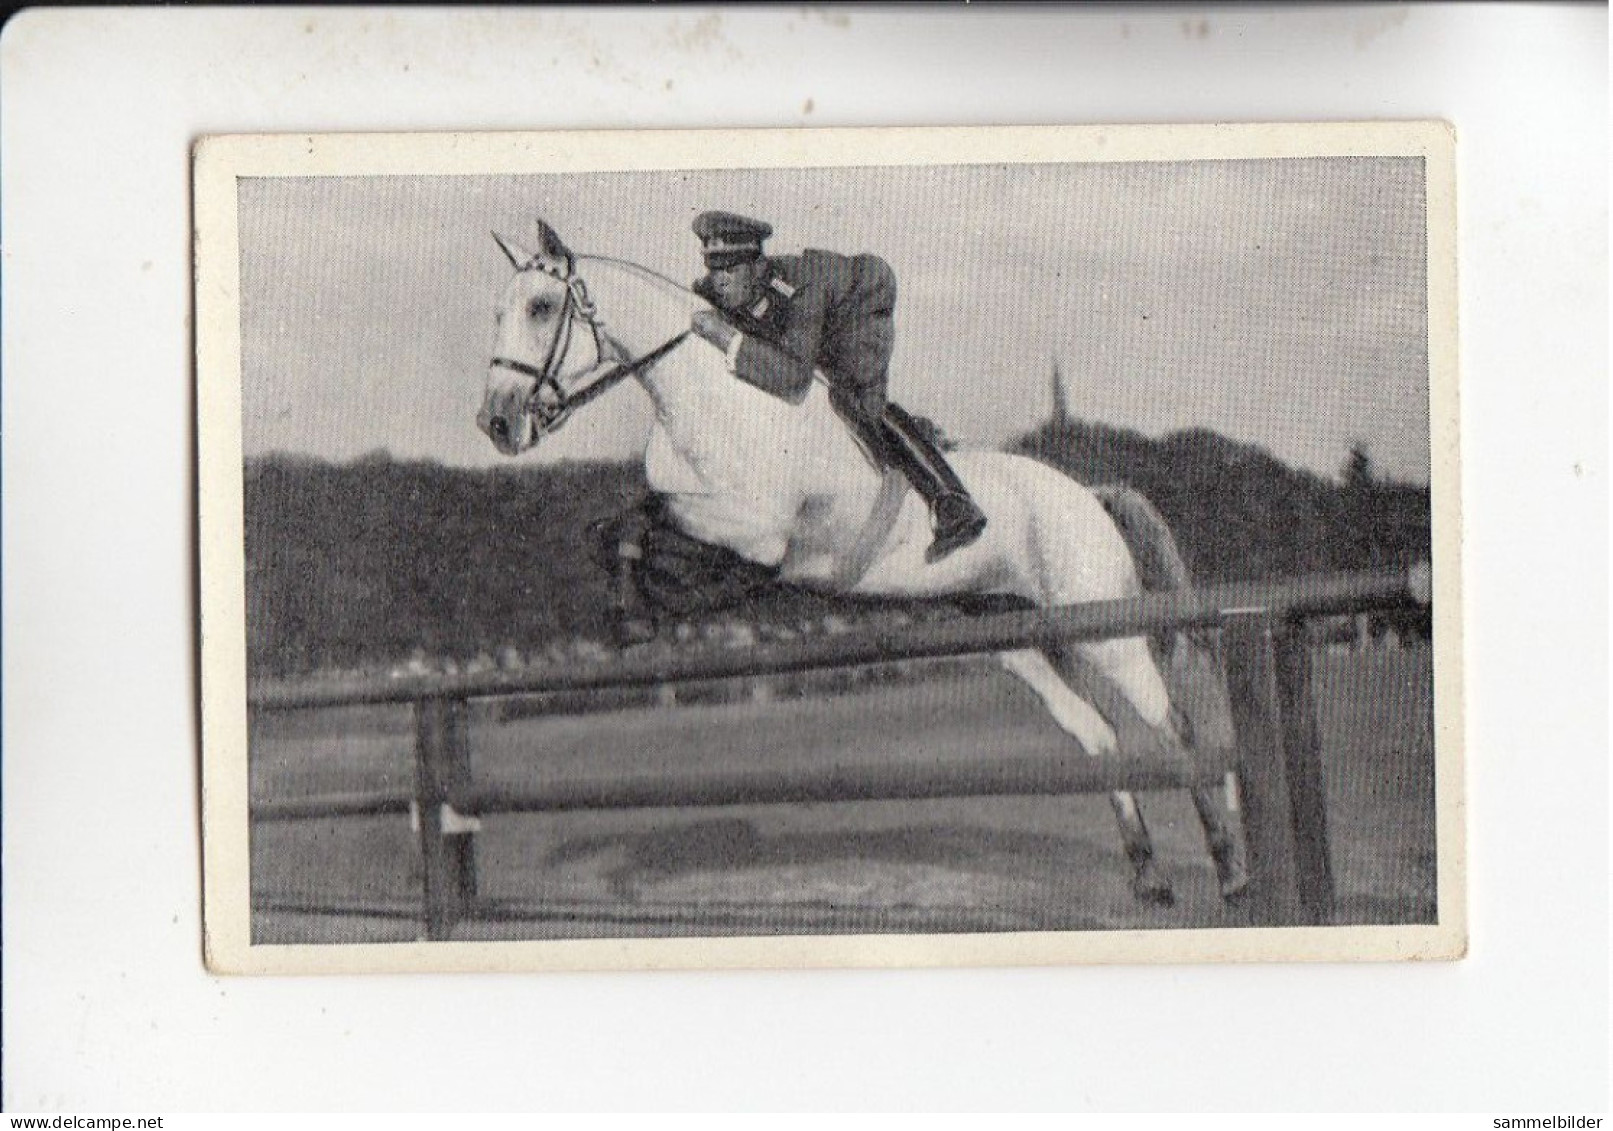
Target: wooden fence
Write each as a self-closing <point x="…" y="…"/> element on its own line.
<point x="1266" y="652"/>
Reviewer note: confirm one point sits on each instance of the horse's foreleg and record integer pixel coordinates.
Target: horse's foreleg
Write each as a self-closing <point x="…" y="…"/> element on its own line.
<point x="1083" y="722"/>
<point x="621" y="550"/>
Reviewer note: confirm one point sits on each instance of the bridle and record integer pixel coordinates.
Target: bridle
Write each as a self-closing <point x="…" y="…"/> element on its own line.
<point x="550" y="405"/>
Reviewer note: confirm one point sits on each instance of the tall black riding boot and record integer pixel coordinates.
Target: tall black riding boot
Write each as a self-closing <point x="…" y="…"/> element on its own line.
<point x="956" y="518"/>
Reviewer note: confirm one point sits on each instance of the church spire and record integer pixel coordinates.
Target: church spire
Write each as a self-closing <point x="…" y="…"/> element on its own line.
<point x="1061" y="404"/>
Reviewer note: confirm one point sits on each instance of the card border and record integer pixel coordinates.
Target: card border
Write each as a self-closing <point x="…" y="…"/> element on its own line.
<point x="220" y="160"/>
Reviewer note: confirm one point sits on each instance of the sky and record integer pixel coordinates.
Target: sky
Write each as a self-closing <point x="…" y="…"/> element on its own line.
<point x="1279" y="302"/>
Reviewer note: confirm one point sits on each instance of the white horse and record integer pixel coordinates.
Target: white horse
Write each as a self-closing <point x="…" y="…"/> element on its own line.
<point x="786" y="486"/>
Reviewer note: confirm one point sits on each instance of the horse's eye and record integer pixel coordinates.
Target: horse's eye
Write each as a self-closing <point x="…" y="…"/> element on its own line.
<point x="539" y="308"/>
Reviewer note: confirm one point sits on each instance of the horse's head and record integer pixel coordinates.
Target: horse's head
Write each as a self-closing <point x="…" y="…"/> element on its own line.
<point x="538" y="355"/>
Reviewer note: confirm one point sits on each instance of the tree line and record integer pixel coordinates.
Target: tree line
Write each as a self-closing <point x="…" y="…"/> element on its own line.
<point x="363" y="564"/>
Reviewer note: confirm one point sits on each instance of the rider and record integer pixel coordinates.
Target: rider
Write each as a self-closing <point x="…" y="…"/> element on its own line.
<point x="784" y="315"/>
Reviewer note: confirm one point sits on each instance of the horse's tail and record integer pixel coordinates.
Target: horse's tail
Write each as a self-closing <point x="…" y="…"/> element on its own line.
<point x="1161" y="568"/>
<point x="1160" y="565"/>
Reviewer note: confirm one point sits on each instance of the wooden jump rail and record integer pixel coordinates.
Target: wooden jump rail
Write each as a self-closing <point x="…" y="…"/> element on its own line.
<point x="1267" y="658"/>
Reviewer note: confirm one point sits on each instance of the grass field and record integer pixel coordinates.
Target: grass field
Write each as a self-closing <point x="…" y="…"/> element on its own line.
<point x="994" y="864"/>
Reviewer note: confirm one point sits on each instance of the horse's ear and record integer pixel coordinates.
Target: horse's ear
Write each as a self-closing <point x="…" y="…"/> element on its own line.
<point x="517" y="256"/>
<point x="550" y="245"/>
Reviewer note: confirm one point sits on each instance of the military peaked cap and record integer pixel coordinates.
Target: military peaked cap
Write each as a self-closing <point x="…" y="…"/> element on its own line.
<point x="727" y="238"/>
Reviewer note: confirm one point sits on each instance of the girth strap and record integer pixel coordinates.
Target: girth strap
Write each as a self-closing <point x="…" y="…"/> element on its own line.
<point x="871" y="538"/>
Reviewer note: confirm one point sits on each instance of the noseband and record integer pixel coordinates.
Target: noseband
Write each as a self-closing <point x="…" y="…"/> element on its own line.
<point x="550" y="405"/>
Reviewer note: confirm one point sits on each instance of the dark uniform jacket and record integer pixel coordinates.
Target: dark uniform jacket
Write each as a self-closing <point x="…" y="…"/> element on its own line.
<point x="824" y="310"/>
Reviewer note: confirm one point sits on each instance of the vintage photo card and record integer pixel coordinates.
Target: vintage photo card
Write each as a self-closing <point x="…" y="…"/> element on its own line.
<point x="841" y="547"/>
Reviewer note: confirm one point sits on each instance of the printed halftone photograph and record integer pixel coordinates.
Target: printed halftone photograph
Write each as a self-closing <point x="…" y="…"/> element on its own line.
<point x="972" y="546"/>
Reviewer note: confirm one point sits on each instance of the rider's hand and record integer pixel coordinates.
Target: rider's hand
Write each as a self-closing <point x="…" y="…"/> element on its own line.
<point x="713" y="327"/>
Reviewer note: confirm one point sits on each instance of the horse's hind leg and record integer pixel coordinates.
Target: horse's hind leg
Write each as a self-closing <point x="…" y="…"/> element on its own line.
<point x="1231" y="868"/>
<point x="1148" y="883"/>
<point x="1121" y="680"/>
<point x="1082" y="721"/>
<point x="1203" y="719"/>
<point x="1194" y="672"/>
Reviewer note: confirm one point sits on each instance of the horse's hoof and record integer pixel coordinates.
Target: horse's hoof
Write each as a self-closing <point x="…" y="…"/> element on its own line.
<point x="1234" y="888"/>
<point x="633" y="630"/>
<point x="1231" y="872"/>
<point x="1149" y="885"/>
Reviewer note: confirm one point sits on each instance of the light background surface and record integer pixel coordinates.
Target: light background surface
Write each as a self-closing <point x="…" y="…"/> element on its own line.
<point x="107" y="1007"/>
<point x="1279" y="302"/>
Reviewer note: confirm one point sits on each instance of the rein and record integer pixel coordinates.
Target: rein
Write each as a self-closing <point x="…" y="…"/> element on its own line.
<point x="623" y="370"/>
<point x="550" y="404"/>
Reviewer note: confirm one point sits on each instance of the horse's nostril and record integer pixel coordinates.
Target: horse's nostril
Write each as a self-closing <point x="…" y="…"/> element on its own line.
<point x="500" y="429"/>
